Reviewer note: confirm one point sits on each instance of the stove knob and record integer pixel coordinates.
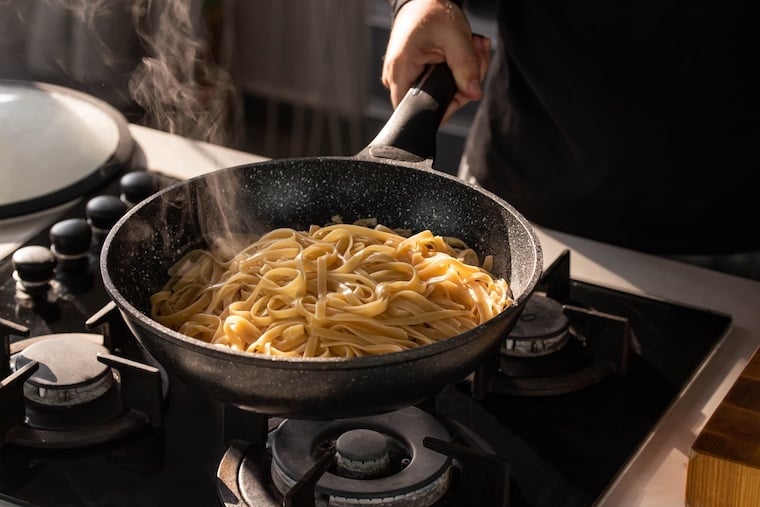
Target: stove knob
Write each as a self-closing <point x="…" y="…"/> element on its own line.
<point x="34" y="268"/>
<point x="103" y="212"/>
<point x="136" y="186"/>
<point x="70" y="243"/>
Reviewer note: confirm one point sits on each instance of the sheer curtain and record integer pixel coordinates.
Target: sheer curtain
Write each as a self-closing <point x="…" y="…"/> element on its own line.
<point x="312" y="56"/>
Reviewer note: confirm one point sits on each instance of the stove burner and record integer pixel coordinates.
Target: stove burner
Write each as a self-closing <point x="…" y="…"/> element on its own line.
<point x="397" y="470"/>
<point x="362" y="454"/>
<point x="69" y="372"/>
<point x="595" y="346"/>
<point x="555" y="347"/>
<point x="541" y="329"/>
<point x="67" y="391"/>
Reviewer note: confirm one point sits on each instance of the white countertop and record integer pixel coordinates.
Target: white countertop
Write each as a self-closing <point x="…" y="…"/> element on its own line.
<point x="656" y="476"/>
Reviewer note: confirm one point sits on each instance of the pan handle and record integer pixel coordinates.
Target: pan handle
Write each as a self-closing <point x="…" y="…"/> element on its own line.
<point x="410" y="133"/>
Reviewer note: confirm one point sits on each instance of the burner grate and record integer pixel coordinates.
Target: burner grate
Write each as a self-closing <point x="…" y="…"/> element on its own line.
<point x="104" y="411"/>
<point x="556" y="347"/>
<point x="297" y="465"/>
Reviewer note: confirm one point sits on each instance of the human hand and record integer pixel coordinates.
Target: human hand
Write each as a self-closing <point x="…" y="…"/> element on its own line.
<point x="435" y="31"/>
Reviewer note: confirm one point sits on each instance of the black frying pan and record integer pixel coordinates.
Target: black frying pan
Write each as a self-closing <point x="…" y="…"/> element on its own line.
<point x="391" y="180"/>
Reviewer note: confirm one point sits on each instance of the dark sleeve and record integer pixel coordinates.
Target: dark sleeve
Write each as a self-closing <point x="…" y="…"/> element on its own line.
<point x="398" y="4"/>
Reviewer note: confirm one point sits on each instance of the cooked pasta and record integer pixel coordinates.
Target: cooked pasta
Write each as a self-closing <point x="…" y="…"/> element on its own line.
<point x="340" y="290"/>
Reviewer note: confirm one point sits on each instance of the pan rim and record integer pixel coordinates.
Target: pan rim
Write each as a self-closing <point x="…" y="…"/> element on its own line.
<point x="317" y="363"/>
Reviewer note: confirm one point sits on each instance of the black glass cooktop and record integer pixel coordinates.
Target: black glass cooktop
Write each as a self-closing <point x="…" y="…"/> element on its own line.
<point x="561" y="449"/>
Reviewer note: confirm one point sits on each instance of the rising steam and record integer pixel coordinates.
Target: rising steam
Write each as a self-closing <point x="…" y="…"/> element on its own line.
<point x="157" y="54"/>
<point x="180" y="88"/>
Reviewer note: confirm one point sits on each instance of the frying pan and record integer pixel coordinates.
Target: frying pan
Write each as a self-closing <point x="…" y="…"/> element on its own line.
<point x="392" y="180"/>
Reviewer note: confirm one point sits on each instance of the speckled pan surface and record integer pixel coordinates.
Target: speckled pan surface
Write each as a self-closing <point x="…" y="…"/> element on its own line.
<point x="297" y="193"/>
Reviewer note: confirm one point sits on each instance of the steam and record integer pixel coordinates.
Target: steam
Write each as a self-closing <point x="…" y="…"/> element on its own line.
<point x="157" y="54"/>
<point x="182" y="91"/>
<point x="84" y="10"/>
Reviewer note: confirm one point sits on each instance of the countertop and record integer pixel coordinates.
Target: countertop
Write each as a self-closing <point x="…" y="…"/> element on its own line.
<point x="656" y="476"/>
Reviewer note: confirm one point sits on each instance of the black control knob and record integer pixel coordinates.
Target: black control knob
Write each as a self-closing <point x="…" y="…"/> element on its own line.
<point x="103" y="211"/>
<point x="136" y="186"/>
<point x="34" y="268"/>
<point x="70" y="243"/>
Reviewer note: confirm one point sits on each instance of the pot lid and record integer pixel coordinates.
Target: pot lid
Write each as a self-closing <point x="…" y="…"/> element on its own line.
<point x="57" y="144"/>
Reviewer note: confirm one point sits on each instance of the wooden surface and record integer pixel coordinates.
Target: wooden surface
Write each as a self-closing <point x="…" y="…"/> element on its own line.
<point x="724" y="463"/>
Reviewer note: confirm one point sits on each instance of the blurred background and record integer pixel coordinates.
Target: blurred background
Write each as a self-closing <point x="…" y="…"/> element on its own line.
<point x="288" y="78"/>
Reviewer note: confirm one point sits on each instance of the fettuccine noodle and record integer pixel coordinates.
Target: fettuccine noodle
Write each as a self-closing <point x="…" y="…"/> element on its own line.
<point x="341" y="290"/>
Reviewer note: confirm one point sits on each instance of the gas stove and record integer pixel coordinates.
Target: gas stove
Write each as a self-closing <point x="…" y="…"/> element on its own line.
<point x="87" y="417"/>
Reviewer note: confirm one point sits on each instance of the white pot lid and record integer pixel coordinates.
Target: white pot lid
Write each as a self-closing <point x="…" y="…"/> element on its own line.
<point x="56" y="144"/>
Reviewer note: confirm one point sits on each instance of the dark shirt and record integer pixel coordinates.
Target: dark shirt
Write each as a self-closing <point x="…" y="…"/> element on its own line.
<point x="632" y="123"/>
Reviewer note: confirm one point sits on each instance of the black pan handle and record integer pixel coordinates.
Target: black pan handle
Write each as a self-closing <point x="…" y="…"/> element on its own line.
<point x="409" y="135"/>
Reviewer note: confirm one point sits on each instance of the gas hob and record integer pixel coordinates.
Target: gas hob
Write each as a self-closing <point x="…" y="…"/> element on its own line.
<point x="551" y="421"/>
